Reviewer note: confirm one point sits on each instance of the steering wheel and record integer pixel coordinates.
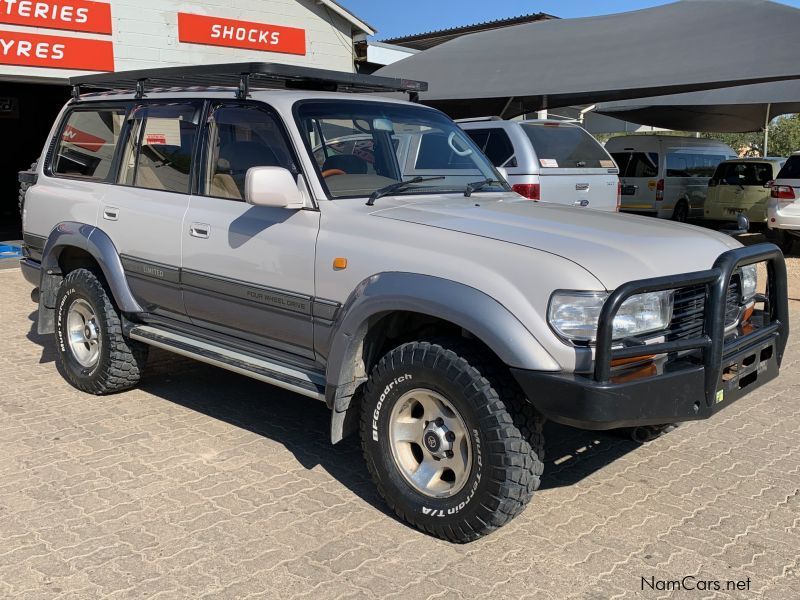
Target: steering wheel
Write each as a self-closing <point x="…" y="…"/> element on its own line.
<point x="331" y="172"/>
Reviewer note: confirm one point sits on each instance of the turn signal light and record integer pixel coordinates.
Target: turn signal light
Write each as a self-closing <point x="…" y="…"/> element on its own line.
<point x="783" y="192"/>
<point x="528" y="190"/>
<point x="620" y="362"/>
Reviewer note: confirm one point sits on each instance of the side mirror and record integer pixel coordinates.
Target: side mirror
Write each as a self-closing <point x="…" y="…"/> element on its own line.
<point x="503" y="173"/>
<point x="272" y="186"/>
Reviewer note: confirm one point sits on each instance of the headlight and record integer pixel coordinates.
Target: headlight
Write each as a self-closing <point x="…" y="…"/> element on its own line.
<point x="749" y="282"/>
<point x="574" y="315"/>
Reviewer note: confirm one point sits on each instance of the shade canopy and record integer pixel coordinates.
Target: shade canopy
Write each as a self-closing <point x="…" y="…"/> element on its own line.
<point x="686" y="46"/>
<point x="737" y="109"/>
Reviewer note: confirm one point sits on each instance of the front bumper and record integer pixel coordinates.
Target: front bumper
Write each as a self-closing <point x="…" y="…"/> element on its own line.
<point x="697" y="378"/>
<point x="677" y="394"/>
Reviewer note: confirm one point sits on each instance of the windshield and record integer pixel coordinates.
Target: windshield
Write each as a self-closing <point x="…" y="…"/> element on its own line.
<point x="560" y="145"/>
<point x="360" y="147"/>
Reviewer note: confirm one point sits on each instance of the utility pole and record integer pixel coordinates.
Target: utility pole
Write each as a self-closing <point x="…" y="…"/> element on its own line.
<point x="766" y="131"/>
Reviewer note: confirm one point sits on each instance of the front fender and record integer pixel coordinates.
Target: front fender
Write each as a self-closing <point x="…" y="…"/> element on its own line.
<point x="95" y="242"/>
<point x="469" y="308"/>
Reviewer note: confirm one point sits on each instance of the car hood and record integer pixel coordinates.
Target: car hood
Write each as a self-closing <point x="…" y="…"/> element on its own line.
<point x="615" y="248"/>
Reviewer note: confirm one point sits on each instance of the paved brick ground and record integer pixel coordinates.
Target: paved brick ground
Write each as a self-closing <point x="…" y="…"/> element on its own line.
<point x="206" y="484"/>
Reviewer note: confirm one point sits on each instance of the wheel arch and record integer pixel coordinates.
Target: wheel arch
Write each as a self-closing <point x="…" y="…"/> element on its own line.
<point x="381" y="297"/>
<point x="74" y="240"/>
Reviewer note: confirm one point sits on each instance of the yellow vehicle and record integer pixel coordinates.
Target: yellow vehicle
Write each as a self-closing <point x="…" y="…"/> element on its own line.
<point x="741" y="185"/>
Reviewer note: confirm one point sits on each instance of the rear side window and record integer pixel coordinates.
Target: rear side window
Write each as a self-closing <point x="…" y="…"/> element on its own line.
<point x="791" y="170"/>
<point x="158" y="153"/>
<point x="88" y="142"/>
<point x="693" y="164"/>
<point x="637" y="164"/>
<point x="566" y="146"/>
<point x="743" y="173"/>
<point x="496" y="145"/>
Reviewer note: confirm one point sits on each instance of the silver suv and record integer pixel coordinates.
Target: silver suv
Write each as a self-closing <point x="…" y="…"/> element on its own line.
<point x="549" y="160"/>
<point x="397" y="279"/>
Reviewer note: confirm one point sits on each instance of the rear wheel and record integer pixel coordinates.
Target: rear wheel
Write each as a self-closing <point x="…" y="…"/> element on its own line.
<point x="94" y="355"/>
<point x="446" y="451"/>
<point x="681" y="212"/>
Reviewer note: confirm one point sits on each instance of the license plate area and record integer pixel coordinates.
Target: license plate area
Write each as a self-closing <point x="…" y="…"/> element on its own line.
<point x="628" y="190"/>
<point x="746" y="371"/>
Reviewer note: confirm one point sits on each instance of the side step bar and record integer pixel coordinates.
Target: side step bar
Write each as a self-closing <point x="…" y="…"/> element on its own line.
<point x="308" y="384"/>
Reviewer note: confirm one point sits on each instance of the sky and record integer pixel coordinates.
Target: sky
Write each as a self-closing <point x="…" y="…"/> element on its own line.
<point x="406" y="17"/>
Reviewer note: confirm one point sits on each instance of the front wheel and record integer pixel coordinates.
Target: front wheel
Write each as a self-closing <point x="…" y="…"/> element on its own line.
<point x="94" y="355"/>
<point x="446" y="452"/>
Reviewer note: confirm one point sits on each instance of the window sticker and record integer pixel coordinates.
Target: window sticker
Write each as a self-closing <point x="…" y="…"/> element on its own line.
<point x="608" y="164"/>
<point x="548" y="162"/>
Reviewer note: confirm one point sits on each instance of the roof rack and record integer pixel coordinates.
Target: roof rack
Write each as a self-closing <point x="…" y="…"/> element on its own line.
<point x="477" y="119"/>
<point x="244" y="77"/>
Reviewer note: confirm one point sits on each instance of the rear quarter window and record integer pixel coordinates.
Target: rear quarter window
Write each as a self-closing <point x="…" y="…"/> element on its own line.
<point x="791" y="170"/>
<point x="87" y="143"/>
<point x="496" y="145"/>
<point x="566" y="146"/>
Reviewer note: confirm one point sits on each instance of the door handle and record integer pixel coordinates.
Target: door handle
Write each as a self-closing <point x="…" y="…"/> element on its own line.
<point x="200" y="230"/>
<point x="110" y="213"/>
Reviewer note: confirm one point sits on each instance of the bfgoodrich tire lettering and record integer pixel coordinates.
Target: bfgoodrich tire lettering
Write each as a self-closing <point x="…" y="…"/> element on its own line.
<point x="119" y="362"/>
<point x="504" y="468"/>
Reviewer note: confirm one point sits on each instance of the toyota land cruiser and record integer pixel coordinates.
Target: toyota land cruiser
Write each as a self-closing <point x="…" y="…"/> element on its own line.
<point x="400" y="281"/>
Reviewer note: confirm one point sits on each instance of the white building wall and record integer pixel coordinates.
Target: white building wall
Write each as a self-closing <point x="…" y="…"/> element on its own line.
<point x="145" y="35"/>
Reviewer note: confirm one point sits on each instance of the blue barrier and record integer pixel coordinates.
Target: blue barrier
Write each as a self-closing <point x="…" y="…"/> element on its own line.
<point x="10" y="251"/>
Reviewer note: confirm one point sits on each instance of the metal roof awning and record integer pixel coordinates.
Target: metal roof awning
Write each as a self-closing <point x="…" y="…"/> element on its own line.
<point x="737" y="109"/>
<point x="685" y="46"/>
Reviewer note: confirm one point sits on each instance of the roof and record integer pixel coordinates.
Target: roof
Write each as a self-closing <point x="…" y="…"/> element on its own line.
<point x="429" y="39"/>
<point x="349" y="16"/>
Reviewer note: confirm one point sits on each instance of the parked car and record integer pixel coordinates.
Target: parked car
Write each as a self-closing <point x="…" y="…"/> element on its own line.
<point x="742" y="186"/>
<point x="421" y="299"/>
<point x="666" y="176"/>
<point x="783" y="210"/>
<point x="548" y="160"/>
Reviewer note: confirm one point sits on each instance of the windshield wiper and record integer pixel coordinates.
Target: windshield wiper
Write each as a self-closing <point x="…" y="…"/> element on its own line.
<point x="478" y="185"/>
<point x="398" y="187"/>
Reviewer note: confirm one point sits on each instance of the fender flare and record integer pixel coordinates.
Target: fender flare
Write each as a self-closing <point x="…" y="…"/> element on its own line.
<point x="97" y="243"/>
<point x="462" y="305"/>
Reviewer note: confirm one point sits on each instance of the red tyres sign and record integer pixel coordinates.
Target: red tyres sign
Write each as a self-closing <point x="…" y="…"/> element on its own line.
<point x="72" y="15"/>
<point x="57" y="52"/>
<point x="231" y="33"/>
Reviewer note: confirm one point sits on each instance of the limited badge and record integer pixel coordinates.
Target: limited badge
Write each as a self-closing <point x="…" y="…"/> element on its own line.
<point x="720" y="396"/>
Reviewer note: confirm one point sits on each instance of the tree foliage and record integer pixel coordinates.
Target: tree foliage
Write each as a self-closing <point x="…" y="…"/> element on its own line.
<point x="784" y="138"/>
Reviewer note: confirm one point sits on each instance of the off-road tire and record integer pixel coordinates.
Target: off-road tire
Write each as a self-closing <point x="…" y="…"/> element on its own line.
<point x="120" y="361"/>
<point x="504" y="431"/>
<point x="23" y="188"/>
<point x="681" y="212"/>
